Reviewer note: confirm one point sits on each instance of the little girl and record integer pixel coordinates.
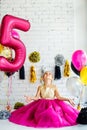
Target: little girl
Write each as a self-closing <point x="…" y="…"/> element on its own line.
<point x="47" y="109"/>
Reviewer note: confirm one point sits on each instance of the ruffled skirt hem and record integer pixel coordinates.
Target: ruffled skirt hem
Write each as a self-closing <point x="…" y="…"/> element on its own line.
<point x="45" y="113"/>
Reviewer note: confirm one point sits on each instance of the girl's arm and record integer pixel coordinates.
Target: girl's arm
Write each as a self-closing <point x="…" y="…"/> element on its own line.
<point x="36" y="97"/>
<point x="57" y="95"/>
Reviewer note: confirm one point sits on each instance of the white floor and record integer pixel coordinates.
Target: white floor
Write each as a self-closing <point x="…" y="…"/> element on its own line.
<point x="6" y="125"/>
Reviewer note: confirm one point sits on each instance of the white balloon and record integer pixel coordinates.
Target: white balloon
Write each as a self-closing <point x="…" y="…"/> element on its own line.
<point x="74" y="85"/>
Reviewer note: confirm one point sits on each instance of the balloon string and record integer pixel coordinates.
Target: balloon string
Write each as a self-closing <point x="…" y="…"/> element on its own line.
<point x="8" y="102"/>
<point x="9" y="91"/>
<point x="81" y="94"/>
<point x="9" y="86"/>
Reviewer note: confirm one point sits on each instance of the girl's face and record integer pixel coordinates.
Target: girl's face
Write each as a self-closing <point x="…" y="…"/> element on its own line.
<point x="47" y="76"/>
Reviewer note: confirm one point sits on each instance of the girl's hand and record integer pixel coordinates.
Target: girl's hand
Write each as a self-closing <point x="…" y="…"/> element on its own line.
<point x="71" y="102"/>
<point x="27" y="98"/>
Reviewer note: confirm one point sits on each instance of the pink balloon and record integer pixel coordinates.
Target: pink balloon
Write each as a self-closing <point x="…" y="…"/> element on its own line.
<point x="79" y="59"/>
<point x="8" y="24"/>
<point x="15" y="34"/>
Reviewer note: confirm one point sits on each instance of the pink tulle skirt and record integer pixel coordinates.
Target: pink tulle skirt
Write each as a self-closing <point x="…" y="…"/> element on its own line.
<point x="45" y="113"/>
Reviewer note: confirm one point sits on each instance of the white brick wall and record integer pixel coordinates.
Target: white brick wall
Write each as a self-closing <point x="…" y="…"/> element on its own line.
<point x="52" y="32"/>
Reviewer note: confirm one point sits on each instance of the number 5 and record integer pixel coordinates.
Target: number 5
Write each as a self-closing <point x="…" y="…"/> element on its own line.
<point x="8" y="24"/>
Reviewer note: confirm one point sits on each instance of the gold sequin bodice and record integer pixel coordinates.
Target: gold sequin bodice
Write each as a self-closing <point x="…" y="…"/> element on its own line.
<point x="47" y="92"/>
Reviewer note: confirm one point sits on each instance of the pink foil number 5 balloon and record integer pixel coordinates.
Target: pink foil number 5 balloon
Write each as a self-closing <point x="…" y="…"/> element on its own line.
<point x="8" y="24"/>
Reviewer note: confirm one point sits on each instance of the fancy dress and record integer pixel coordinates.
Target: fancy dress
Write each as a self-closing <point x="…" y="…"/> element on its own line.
<point x="47" y="112"/>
